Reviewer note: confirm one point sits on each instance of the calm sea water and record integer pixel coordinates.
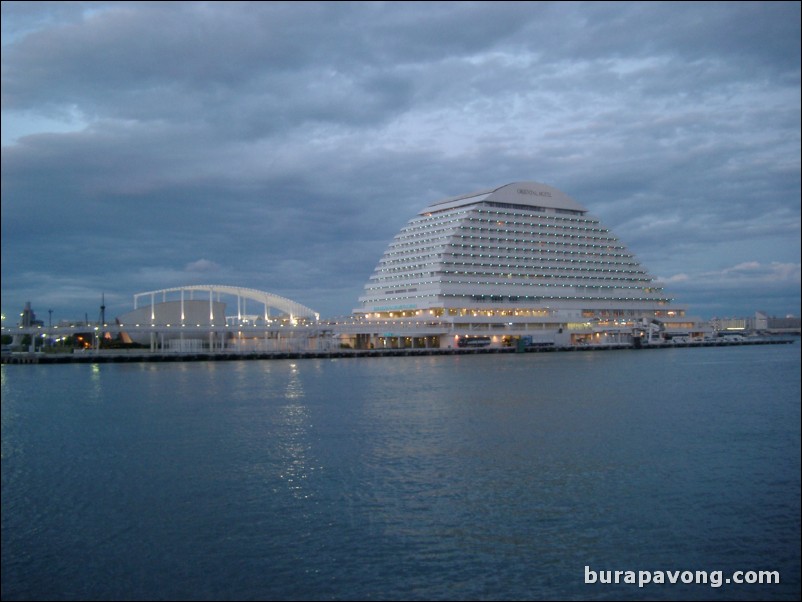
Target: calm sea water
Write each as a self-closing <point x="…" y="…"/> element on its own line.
<point x="469" y="477"/>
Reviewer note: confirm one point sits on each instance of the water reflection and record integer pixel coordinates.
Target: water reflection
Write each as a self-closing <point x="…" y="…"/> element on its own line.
<point x="94" y="392"/>
<point x="8" y="418"/>
<point x="295" y="388"/>
<point x="294" y="442"/>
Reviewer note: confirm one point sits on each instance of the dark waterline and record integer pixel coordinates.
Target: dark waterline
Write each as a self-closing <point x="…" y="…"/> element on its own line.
<point x="469" y="477"/>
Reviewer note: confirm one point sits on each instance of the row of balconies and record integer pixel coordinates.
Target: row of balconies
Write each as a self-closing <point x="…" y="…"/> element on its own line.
<point x="587" y="250"/>
<point x="433" y="232"/>
<point x="484" y="261"/>
<point x="413" y="273"/>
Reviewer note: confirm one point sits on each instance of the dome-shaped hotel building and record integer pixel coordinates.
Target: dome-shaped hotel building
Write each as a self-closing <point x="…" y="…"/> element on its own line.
<point x="520" y="263"/>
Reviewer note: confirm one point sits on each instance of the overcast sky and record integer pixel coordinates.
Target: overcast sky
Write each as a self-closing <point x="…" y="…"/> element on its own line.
<point x="281" y="146"/>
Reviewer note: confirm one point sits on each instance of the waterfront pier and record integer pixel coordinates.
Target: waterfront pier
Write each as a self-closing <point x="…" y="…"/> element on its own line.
<point x="99" y="356"/>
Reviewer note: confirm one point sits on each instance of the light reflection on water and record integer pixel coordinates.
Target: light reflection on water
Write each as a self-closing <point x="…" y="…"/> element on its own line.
<point x="293" y="436"/>
<point x="414" y="478"/>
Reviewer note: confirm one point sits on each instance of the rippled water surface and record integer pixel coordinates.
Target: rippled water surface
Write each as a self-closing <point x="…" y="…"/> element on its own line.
<point x="468" y="477"/>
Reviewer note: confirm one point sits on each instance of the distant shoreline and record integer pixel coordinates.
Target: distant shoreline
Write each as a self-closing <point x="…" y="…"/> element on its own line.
<point x="144" y="356"/>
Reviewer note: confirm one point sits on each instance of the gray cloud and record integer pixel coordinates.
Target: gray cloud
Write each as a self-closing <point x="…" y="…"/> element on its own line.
<point x="284" y="144"/>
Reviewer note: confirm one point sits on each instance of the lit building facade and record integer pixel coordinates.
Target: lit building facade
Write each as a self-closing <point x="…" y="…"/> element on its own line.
<point x="520" y="262"/>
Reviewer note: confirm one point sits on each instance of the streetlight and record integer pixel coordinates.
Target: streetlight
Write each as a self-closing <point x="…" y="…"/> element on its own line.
<point x="49" y="326"/>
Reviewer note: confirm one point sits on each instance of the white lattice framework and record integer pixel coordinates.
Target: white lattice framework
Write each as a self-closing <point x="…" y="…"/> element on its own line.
<point x="288" y="306"/>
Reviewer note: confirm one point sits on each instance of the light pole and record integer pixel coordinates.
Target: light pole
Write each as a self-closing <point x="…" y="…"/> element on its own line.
<point x="49" y="327"/>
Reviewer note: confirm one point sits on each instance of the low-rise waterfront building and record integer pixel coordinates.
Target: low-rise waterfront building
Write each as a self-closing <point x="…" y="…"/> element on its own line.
<point x="197" y="317"/>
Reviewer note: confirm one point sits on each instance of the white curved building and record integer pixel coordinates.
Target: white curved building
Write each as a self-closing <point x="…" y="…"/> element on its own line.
<point x="190" y="309"/>
<point x="190" y="318"/>
<point x="521" y="260"/>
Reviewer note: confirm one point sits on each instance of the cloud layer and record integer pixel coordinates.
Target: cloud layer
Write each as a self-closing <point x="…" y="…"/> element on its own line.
<point x="280" y="146"/>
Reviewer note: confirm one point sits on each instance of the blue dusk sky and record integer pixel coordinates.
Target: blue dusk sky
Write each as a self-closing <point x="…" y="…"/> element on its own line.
<point x="281" y="146"/>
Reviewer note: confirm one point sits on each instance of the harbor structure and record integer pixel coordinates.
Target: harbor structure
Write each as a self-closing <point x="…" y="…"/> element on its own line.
<point x="522" y="263"/>
<point x="196" y="317"/>
<point x="522" y="266"/>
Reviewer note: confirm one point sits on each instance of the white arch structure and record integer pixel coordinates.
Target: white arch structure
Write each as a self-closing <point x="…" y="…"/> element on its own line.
<point x="268" y="300"/>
